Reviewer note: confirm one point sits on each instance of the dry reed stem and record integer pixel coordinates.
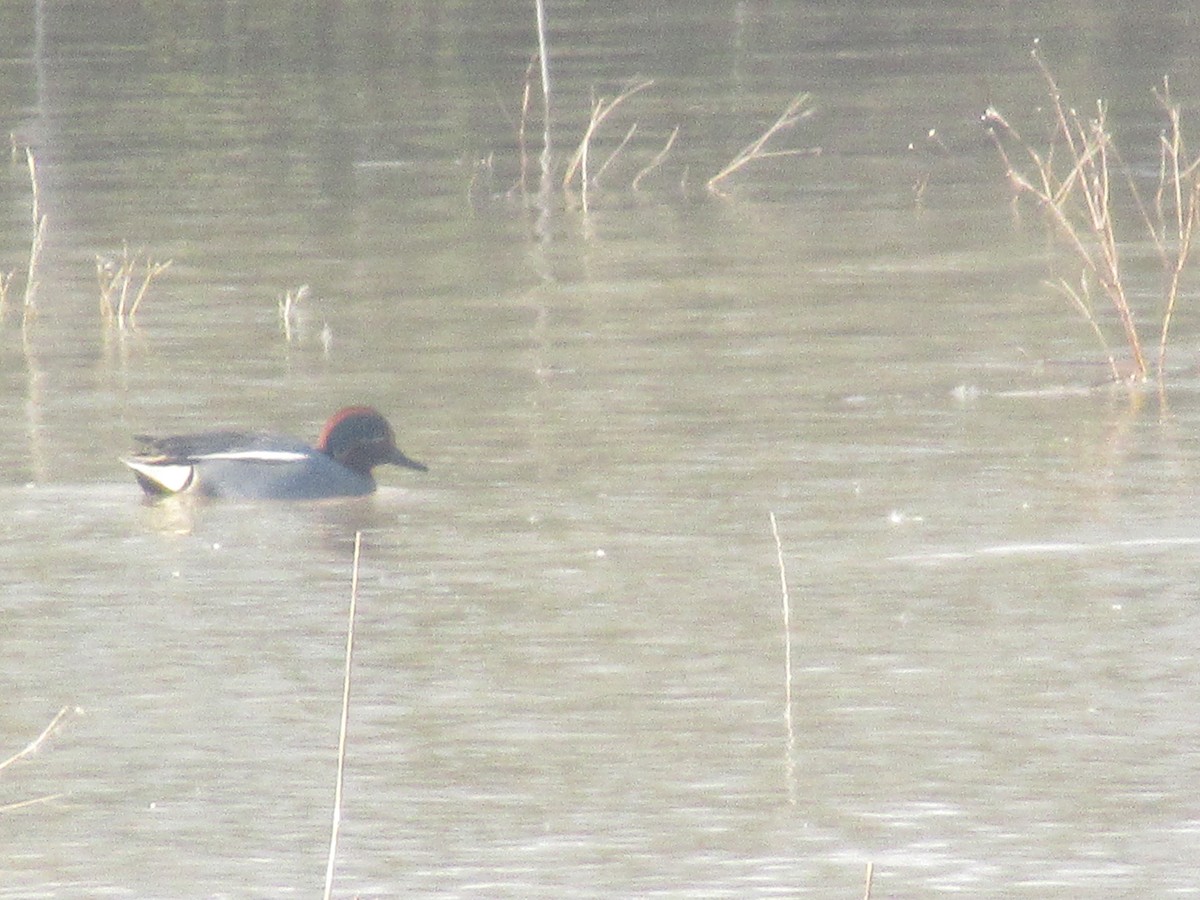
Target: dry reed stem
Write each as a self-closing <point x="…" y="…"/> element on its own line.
<point x="657" y="160"/>
<point x="787" y="662"/>
<point x="35" y="247"/>
<point x="5" y="282"/>
<point x="1087" y="145"/>
<point x="1083" y="302"/>
<point x="153" y="270"/>
<point x="1077" y="197"/>
<point x="288" y="304"/>
<point x="32" y="746"/>
<point x="522" y="148"/>
<point x="613" y="155"/>
<point x="792" y="113"/>
<point x="116" y="278"/>
<point x="1176" y="176"/>
<point x="341" y="758"/>
<point x="601" y="109"/>
<point x="870" y="879"/>
<point x="32" y="801"/>
<point x="787" y="621"/>
<point x="34" y="184"/>
<point x="546" y="158"/>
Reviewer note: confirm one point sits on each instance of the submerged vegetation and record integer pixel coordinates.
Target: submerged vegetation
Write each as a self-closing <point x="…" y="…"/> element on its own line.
<point x="1094" y="209"/>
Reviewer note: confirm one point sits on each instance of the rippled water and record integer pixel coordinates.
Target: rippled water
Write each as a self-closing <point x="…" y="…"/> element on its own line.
<point x="569" y="678"/>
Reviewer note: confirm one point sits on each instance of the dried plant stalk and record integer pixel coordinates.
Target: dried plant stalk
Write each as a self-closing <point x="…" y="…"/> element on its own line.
<point x="657" y="160"/>
<point x="1073" y="181"/>
<point x="794" y="112"/>
<point x="39" y="237"/>
<point x="116" y="279"/>
<point x="601" y="109"/>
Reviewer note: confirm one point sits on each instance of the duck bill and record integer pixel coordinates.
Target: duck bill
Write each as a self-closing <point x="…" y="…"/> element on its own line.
<point x="399" y="459"/>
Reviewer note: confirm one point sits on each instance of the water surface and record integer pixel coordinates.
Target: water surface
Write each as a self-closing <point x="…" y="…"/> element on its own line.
<point x="569" y="677"/>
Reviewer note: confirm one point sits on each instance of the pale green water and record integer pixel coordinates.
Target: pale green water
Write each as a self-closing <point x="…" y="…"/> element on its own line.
<point x="570" y="668"/>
